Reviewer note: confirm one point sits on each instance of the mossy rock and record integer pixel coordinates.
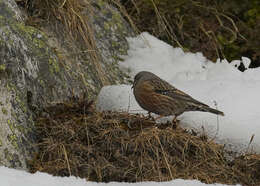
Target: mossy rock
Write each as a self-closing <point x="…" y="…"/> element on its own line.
<point x="43" y="65"/>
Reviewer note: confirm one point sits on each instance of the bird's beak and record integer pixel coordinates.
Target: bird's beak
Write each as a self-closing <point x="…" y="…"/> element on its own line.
<point x="133" y="86"/>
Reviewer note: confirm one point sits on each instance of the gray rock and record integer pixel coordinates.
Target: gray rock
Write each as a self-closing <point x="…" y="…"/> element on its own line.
<point x="46" y="66"/>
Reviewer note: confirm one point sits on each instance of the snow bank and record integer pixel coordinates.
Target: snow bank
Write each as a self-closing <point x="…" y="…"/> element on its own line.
<point x="220" y="85"/>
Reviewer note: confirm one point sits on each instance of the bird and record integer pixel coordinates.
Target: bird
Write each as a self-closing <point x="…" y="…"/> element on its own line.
<point x="158" y="96"/>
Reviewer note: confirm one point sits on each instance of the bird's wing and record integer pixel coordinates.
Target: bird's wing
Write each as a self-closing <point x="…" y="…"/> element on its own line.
<point x="163" y="87"/>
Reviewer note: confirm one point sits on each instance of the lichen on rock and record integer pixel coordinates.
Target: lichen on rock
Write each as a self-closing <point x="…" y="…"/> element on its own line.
<point x="42" y="66"/>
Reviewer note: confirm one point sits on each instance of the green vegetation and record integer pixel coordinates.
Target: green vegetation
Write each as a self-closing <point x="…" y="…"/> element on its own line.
<point x="4" y="111"/>
<point x="2" y="67"/>
<point x="71" y="14"/>
<point x="218" y="28"/>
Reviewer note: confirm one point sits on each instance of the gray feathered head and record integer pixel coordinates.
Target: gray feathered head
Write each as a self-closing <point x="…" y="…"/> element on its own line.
<point x="143" y="75"/>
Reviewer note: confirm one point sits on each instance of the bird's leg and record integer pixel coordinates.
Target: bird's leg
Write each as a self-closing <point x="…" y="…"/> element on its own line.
<point x="149" y="115"/>
<point x="174" y="120"/>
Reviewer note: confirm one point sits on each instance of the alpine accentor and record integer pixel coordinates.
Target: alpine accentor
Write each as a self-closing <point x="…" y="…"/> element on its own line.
<point x="158" y="96"/>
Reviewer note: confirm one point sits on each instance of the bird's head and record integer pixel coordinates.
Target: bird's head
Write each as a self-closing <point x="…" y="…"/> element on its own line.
<point x="142" y="76"/>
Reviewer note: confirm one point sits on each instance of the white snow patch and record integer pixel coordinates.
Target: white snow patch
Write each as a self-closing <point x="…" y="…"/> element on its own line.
<point x="12" y="177"/>
<point x="220" y="85"/>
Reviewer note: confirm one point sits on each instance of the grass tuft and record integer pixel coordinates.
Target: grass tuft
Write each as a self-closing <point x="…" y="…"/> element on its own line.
<point x="75" y="139"/>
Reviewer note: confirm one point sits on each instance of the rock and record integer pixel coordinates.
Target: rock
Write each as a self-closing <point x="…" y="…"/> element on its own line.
<point x="39" y="67"/>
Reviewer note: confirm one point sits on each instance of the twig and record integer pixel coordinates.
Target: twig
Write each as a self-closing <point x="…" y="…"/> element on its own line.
<point x="250" y="142"/>
<point x="66" y="158"/>
<point x="164" y="156"/>
<point x="216" y="106"/>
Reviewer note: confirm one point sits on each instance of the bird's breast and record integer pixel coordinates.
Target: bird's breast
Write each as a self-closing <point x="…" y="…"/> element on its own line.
<point x="144" y="95"/>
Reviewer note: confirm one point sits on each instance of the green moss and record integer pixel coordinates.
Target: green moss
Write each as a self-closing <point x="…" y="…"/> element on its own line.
<point x="114" y="44"/>
<point x="7" y="154"/>
<point x="2" y="68"/>
<point x="83" y="80"/>
<point x="1" y="143"/>
<point x="53" y="65"/>
<point x="7" y="32"/>
<point x="10" y="86"/>
<point x="12" y="158"/>
<point x="4" y="111"/>
<point x="122" y="51"/>
<point x="20" y="102"/>
<point x="32" y="34"/>
<point x="11" y="126"/>
<point x="41" y="82"/>
<point x="116" y="59"/>
<point x="18" y="96"/>
<point x="106" y="26"/>
<point x="100" y="3"/>
<point x="117" y="20"/>
<point x="21" y="129"/>
<point x="13" y="139"/>
<point x="35" y="39"/>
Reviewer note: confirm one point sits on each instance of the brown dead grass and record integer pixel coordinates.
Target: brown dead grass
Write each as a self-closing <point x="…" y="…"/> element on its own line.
<point x="69" y="13"/>
<point x="218" y="29"/>
<point x="76" y="140"/>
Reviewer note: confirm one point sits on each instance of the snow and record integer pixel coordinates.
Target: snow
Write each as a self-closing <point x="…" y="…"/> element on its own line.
<point x="12" y="177"/>
<point x="220" y="85"/>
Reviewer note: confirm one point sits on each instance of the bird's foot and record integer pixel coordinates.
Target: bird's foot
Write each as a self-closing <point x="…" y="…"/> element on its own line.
<point x="175" y="122"/>
<point x="150" y="117"/>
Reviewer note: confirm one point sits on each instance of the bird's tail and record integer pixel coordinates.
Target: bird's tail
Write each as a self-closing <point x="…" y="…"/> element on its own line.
<point x="204" y="108"/>
<point x="214" y="111"/>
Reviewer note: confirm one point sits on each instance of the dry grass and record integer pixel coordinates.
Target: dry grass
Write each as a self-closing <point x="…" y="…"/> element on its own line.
<point x="218" y="29"/>
<point x="76" y="140"/>
<point x="71" y="14"/>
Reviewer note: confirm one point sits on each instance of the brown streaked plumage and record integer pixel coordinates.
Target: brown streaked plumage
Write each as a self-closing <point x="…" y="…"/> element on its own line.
<point x="158" y="96"/>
